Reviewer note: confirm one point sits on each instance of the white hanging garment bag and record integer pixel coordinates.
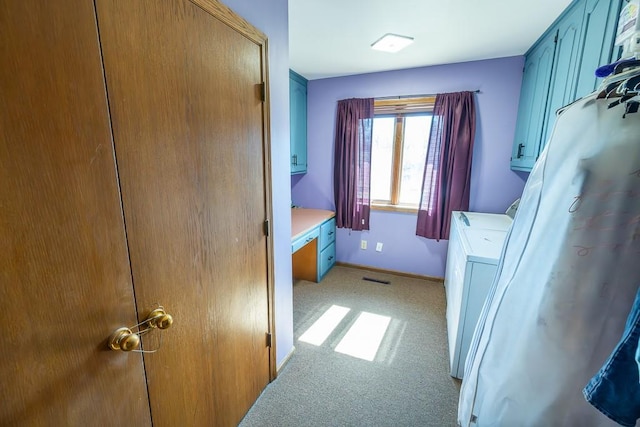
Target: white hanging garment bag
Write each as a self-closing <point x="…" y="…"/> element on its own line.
<point x="567" y="277"/>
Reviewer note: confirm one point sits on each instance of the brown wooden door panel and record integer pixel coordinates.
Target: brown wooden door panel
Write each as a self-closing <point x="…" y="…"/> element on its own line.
<point x="65" y="281"/>
<point x="188" y="129"/>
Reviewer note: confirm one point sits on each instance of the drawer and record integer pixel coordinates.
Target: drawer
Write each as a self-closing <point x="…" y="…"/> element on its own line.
<point x="304" y="239"/>
<point x="327" y="259"/>
<point x="327" y="233"/>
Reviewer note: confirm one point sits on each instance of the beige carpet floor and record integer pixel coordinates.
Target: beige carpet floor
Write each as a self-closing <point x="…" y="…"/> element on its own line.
<point x="406" y="383"/>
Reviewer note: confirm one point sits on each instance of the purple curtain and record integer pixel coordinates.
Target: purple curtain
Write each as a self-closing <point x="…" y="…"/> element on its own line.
<point x="447" y="171"/>
<point x="352" y="163"/>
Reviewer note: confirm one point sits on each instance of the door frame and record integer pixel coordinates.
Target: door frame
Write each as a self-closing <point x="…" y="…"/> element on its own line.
<point x="227" y="16"/>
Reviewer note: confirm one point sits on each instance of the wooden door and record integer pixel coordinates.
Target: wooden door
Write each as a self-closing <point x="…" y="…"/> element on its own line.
<point x="188" y="121"/>
<point x="65" y="280"/>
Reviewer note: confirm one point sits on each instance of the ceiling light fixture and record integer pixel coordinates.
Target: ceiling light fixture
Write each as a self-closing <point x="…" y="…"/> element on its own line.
<point x="392" y="43"/>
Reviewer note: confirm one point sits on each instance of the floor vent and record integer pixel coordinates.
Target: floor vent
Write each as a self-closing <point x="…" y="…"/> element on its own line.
<point x="370" y="279"/>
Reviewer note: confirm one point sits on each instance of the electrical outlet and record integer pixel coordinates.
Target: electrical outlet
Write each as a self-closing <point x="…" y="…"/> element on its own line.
<point x="379" y="247"/>
<point x="363" y="244"/>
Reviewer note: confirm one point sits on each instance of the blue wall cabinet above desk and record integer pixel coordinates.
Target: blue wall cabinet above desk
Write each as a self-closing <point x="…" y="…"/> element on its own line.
<point x="559" y="69"/>
<point x="298" y="121"/>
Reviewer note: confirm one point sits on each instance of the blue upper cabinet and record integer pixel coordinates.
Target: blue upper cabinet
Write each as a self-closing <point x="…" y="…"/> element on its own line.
<point x="565" y="64"/>
<point x="578" y="42"/>
<point x="533" y="103"/>
<point x="298" y="121"/>
<point x="599" y="23"/>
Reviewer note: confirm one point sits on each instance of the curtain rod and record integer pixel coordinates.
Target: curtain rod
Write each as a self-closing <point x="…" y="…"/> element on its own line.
<point x="416" y="96"/>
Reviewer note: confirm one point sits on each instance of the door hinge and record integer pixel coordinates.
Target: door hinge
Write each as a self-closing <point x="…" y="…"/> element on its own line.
<point x="263" y="92"/>
<point x="268" y="339"/>
<point x="266" y="227"/>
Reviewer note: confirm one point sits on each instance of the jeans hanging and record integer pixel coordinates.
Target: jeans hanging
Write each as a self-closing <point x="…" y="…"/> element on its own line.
<point x="615" y="389"/>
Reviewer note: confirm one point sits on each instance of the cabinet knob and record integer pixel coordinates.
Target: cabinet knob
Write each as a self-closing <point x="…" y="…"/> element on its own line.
<point x="520" y="147"/>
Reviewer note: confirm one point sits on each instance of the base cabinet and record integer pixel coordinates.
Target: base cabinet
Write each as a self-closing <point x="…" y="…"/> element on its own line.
<point x="313" y="244"/>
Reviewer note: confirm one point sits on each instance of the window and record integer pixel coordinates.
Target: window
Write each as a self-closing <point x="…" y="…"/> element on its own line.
<point x="401" y="130"/>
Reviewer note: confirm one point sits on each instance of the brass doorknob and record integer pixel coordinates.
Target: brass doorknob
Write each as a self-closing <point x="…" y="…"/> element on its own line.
<point x="123" y="339"/>
<point x="160" y="319"/>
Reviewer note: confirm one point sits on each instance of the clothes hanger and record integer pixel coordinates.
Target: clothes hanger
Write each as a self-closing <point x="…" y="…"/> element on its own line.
<point x="615" y="85"/>
<point x="623" y="85"/>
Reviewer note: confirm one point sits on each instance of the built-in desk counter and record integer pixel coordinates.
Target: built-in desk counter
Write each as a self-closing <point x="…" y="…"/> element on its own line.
<point x="313" y="235"/>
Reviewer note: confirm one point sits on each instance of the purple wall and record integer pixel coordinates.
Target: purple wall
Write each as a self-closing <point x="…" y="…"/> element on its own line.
<point x="493" y="185"/>
<point x="272" y="18"/>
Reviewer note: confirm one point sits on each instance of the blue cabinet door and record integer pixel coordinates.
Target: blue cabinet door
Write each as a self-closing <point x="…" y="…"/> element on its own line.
<point x="327" y="247"/>
<point x="564" y="76"/>
<point x="599" y="28"/>
<point x="298" y="120"/>
<point x="533" y="103"/>
<point x="327" y="260"/>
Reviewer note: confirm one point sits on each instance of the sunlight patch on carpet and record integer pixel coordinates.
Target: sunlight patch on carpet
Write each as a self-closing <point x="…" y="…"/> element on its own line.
<point x="363" y="339"/>
<point x="322" y="328"/>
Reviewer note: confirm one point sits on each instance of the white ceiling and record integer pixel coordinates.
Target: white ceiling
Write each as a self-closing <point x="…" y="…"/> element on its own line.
<point x="329" y="38"/>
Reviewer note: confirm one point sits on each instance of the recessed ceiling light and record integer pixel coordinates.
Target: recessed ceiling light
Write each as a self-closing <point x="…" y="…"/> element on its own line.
<point x="392" y="43"/>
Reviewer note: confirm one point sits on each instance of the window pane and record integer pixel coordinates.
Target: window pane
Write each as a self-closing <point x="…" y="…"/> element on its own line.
<point x="382" y="157"/>
<point x="414" y="153"/>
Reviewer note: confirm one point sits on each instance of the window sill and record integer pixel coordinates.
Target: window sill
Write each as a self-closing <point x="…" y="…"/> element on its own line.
<point x="394" y="208"/>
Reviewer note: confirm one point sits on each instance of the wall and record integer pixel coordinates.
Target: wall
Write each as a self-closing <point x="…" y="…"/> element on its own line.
<point x="493" y="185"/>
<point x="272" y="18"/>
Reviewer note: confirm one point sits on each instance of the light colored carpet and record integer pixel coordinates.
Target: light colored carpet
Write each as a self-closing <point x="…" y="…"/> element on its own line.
<point x="407" y="383"/>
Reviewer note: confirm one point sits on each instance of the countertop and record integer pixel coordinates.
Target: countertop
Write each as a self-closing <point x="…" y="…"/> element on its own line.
<point x="303" y="220"/>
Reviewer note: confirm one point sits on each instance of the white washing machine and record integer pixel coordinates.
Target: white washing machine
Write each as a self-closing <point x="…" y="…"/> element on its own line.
<point x="475" y="243"/>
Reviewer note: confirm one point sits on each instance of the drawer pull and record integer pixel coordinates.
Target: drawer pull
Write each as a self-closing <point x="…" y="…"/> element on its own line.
<point x="330" y="233"/>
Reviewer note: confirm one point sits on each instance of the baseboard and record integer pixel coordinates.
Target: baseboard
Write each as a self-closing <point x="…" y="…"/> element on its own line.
<point x="285" y="361"/>
<point x="397" y="273"/>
